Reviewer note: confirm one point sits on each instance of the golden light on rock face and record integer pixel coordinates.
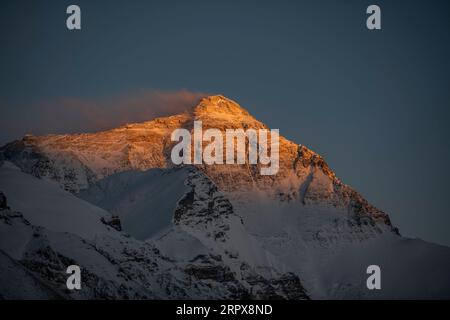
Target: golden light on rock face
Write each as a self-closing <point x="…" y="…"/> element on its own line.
<point x="302" y="173"/>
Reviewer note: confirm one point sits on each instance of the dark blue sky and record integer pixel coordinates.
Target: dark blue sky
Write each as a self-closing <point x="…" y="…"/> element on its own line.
<point x="375" y="104"/>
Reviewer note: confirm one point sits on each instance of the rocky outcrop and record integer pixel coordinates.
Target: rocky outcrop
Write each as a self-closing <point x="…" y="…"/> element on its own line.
<point x="3" y="202"/>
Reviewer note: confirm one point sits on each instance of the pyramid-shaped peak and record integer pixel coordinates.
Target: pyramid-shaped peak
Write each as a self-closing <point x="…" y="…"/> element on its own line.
<point x="219" y="104"/>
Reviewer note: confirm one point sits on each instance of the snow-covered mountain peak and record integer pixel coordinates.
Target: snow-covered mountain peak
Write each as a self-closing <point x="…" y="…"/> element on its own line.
<point x="205" y="231"/>
<point x="220" y="104"/>
<point x="76" y="161"/>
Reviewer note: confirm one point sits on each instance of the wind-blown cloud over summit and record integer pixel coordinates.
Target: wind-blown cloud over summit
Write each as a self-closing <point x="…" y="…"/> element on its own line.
<point x="71" y="115"/>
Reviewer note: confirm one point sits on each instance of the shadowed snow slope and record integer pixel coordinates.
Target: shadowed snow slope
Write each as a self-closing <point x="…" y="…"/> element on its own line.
<point x="144" y="201"/>
<point x="43" y="203"/>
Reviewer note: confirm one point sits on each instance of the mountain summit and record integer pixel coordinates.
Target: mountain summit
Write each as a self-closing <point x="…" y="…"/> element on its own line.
<point x="197" y="231"/>
<point x="76" y="161"/>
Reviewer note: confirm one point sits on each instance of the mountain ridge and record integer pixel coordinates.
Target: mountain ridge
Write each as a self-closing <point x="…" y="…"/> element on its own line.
<point x="199" y="231"/>
<point x="90" y="157"/>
